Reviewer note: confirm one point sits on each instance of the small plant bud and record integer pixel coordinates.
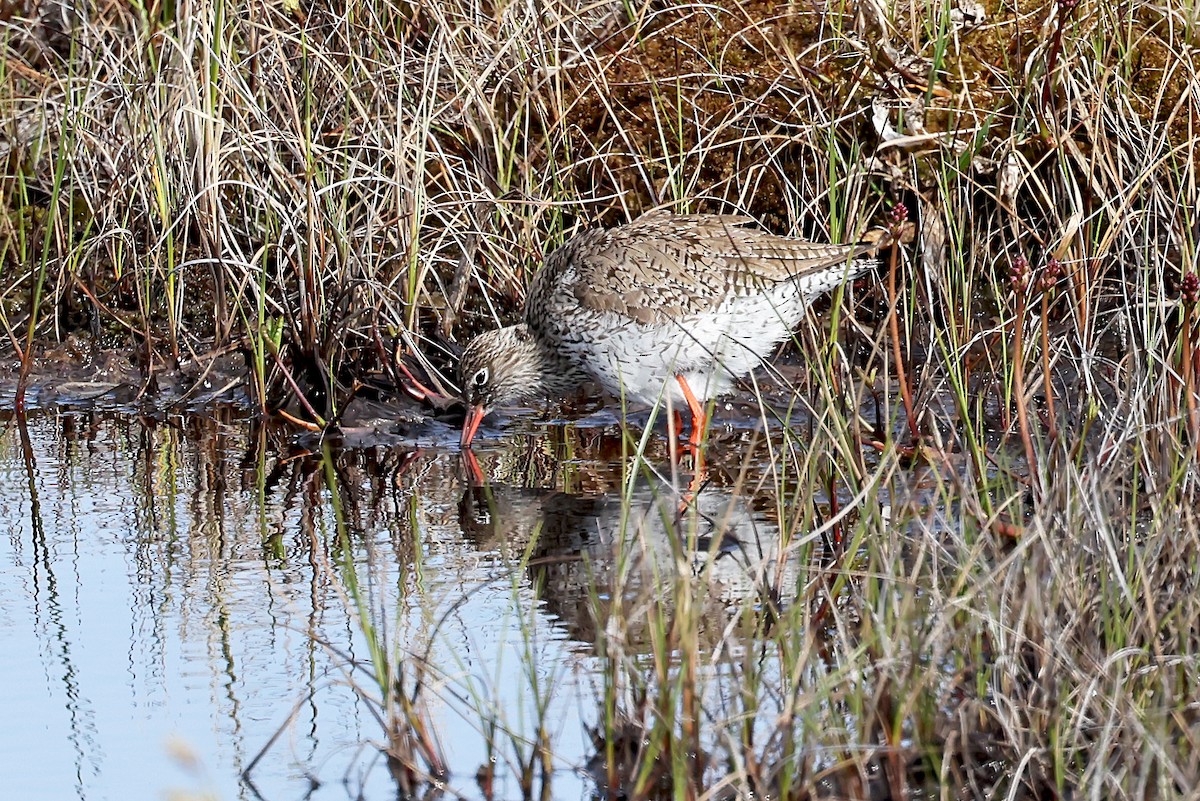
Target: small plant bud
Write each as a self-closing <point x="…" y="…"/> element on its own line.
<point x="1051" y="274"/>
<point x="1018" y="274"/>
<point x="1189" y="289"/>
<point x="897" y="216"/>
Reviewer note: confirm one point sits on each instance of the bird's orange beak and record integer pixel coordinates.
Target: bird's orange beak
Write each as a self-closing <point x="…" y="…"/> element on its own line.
<point x="475" y="415"/>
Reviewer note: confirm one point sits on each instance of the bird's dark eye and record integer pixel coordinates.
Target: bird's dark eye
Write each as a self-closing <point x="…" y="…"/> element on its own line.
<point x="481" y="377"/>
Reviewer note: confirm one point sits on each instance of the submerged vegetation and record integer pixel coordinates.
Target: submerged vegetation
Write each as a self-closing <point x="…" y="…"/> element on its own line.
<point x="983" y="482"/>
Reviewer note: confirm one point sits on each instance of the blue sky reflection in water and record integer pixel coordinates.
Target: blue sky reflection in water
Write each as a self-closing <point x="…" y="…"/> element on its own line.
<point x="157" y="611"/>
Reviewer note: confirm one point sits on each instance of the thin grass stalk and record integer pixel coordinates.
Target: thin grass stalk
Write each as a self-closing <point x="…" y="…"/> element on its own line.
<point x="51" y="226"/>
<point x="941" y="44"/>
<point x="406" y="725"/>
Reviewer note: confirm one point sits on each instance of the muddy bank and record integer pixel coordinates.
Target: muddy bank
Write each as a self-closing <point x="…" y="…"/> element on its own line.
<point x="73" y="378"/>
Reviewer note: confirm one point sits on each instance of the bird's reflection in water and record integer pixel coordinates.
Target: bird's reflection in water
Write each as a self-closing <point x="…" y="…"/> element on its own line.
<point x="589" y="555"/>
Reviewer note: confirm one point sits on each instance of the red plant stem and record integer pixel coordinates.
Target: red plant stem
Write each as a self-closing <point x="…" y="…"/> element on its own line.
<point x="1062" y="14"/>
<point x="1049" y="385"/>
<point x="1196" y="371"/>
<point x="1019" y="385"/>
<point x="1189" y="379"/>
<point x="901" y="377"/>
<point x="22" y="384"/>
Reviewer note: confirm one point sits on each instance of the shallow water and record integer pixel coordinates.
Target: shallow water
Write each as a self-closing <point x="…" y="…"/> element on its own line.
<point x="179" y="600"/>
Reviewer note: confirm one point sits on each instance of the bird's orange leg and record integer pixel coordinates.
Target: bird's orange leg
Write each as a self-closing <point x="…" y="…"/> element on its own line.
<point x="694" y="436"/>
<point x="472" y="469"/>
<point x="699" y="418"/>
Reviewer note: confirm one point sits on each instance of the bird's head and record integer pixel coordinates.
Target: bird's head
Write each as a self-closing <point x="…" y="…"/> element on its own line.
<point x="500" y="368"/>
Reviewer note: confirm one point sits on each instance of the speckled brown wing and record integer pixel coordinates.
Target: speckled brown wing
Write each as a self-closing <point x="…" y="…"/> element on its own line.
<point x="663" y="266"/>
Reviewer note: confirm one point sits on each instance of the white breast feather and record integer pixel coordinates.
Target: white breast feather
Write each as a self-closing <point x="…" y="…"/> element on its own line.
<point x="710" y="350"/>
